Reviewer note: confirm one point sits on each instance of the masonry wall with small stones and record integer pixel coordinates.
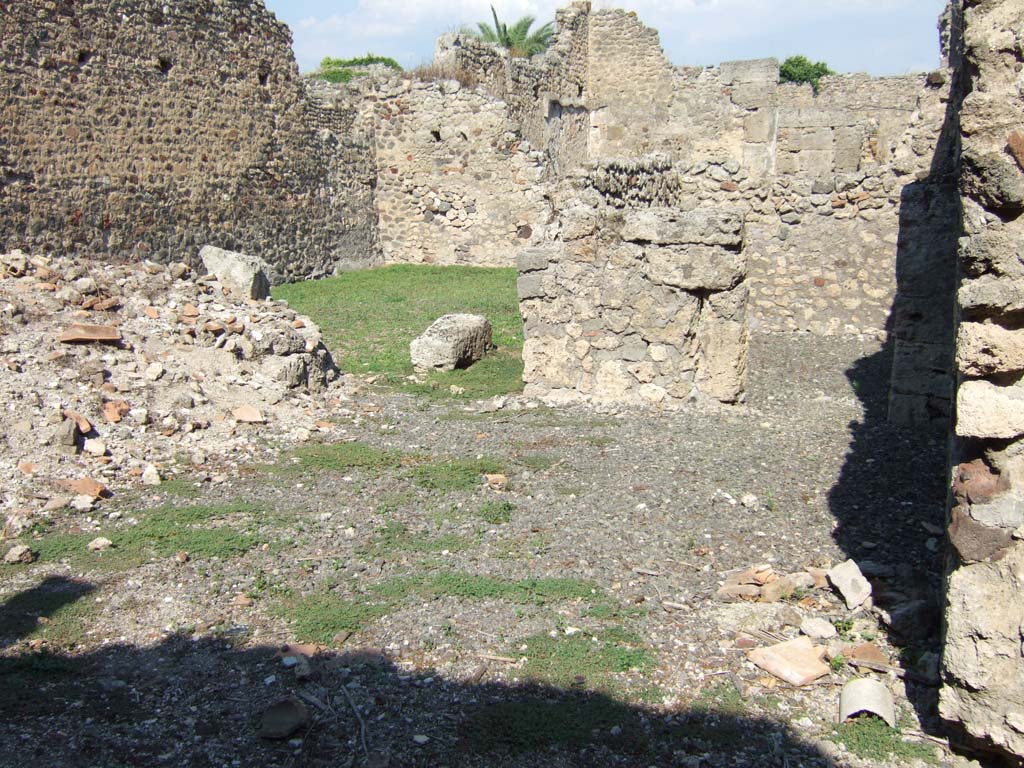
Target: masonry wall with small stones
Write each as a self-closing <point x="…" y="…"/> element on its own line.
<point x="138" y="128"/>
<point x="984" y="654"/>
<point x="456" y="183"/>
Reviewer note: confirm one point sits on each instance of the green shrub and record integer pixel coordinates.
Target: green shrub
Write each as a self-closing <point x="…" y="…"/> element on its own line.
<point x="800" y="69"/>
<point x="344" y="70"/>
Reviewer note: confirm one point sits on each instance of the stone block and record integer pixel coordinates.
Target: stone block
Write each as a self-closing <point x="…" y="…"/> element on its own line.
<point x="985" y="410"/>
<point x="695" y="267"/>
<point x="670" y="226"/>
<point x="452" y="341"/>
<point x="530" y="286"/>
<point x="759" y="126"/>
<point x="752" y="71"/>
<point x="243" y="275"/>
<point x="994" y="180"/>
<point x="983" y="349"/>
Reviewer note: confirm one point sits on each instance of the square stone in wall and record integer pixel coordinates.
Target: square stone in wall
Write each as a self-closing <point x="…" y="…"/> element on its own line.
<point x="815" y="162"/>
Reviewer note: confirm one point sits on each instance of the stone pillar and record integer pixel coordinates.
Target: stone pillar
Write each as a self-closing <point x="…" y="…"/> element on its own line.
<point x="984" y="655"/>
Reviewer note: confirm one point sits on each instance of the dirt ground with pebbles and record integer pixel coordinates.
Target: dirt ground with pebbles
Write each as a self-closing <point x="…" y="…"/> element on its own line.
<point x="566" y="615"/>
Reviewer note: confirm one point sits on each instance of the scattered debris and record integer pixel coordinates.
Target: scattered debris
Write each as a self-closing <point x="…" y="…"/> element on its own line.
<point x="818" y="629"/>
<point x="19" y="554"/>
<point x="100" y="544"/>
<point x="848" y="579"/>
<point x="88" y="334"/>
<point x="798" y="662"/>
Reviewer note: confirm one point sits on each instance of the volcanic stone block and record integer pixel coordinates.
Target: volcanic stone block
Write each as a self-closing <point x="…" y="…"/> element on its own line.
<point x="452" y="341"/>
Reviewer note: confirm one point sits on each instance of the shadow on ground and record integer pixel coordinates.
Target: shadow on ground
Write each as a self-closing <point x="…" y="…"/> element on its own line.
<point x="200" y="702"/>
<point x="890" y="500"/>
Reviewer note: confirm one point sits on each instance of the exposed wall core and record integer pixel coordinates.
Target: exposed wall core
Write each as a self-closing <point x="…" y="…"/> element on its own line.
<point x="145" y="129"/>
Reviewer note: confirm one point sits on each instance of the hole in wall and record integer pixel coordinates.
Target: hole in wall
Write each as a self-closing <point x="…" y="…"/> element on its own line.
<point x="84" y="57"/>
<point x="264" y="77"/>
<point x="164" y="64"/>
<point x="436" y="135"/>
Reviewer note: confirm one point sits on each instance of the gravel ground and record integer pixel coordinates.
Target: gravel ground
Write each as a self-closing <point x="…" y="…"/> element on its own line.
<point x="633" y="663"/>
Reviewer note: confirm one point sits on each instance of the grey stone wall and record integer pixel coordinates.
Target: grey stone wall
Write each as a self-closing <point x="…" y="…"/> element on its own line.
<point x="984" y="654"/>
<point x="138" y="128"/>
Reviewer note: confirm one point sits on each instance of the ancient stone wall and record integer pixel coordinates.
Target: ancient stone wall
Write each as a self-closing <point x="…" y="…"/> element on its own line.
<point x="639" y="298"/>
<point x="138" y="128"/>
<point x="820" y="175"/>
<point x="456" y="183"/>
<point x="984" y="654"/>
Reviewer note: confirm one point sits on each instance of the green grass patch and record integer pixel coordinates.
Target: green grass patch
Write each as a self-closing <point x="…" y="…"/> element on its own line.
<point x="872" y="739"/>
<point x="454" y="474"/>
<point x="473" y="587"/>
<point x="395" y="536"/>
<point x="496" y="512"/>
<point x="581" y="662"/>
<point x="205" y="532"/>
<point x="181" y="487"/>
<point x="57" y="610"/>
<point x="721" y="698"/>
<point x="535" y="724"/>
<point x="322" y="617"/>
<point x="341" y="457"/>
<point x="369" y="317"/>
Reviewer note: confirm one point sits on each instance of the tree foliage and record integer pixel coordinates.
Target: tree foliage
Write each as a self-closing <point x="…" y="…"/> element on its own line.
<point x="517" y="38"/>
<point x="800" y="69"/>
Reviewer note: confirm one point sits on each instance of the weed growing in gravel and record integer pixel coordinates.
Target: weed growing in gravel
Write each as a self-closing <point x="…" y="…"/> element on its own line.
<point x="872" y="739"/>
<point x="496" y="512"/>
<point x="341" y="457"/>
<point x="454" y="474"/>
<point x="722" y="697"/>
<point x="181" y="487"/>
<point x="396" y="537"/>
<point x="537" y="724"/>
<point x="320" y="618"/>
<point x="472" y="587"/>
<point x="536" y="462"/>
<point x="594" y="662"/>
<point x="205" y="532"/>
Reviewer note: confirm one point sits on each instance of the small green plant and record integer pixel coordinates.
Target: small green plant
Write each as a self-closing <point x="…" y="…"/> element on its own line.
<point x="837" y="663"/>
<point x="843" y="626"/>
<point x="800" y="69"/>
<point x="870" y="738"/>
<point x="497" y="512"/>
<point x="340" y="457"/>
<point x="594" y="662"/>
<point x="345" y="70"/>
<point x="454" y="474"/>
<point x="322" y="617"/>
<point x="203" y="531"/>
<point x="769" y="500"/>
<point x="723" y="698"/>
<point x="395" y="536"/>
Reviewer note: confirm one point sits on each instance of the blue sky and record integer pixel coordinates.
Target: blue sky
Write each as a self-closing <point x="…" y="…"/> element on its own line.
<point x="883" y="37"/>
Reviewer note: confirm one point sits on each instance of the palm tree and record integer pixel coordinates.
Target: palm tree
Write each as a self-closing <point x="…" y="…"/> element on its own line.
<point x="517" y="39"/>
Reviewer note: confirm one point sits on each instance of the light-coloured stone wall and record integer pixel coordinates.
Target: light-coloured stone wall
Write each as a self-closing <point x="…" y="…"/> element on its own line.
<point x="984" y="654"/>
<point x="638" y="297"/>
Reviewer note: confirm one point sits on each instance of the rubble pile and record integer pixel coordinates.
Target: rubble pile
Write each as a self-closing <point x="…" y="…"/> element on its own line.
<point x="119" y="375"/>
